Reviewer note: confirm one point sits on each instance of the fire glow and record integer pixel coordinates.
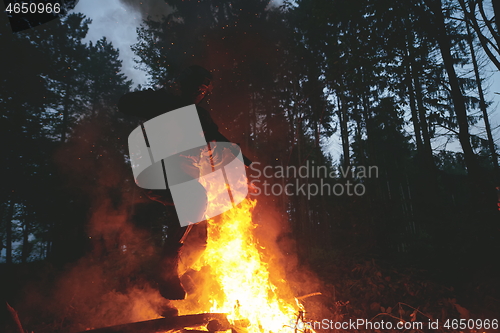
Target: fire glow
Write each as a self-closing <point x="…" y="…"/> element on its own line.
<point x="238" y="280"/>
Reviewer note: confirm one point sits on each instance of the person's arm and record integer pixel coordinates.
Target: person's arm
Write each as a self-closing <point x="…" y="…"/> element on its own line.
<point x="221" y="138"/>
<point x="246" y="160"/>
<point x="211" y="131"/>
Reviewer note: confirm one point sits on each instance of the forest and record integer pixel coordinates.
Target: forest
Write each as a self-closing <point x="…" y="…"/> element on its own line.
<point x="396" y="87"/>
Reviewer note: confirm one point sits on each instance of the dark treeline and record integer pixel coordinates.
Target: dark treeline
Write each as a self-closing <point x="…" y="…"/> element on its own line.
<point x="52" y="82"/>
<point x="397" y="83"/>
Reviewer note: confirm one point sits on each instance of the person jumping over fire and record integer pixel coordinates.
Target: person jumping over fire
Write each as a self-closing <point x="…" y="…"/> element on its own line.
<point x="192" y="86"/>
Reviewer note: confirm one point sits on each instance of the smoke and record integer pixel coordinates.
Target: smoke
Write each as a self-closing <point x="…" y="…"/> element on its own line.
<point x="280" y="250"/>
<point x="112" y="283"/>
<point x="84" y="296"/>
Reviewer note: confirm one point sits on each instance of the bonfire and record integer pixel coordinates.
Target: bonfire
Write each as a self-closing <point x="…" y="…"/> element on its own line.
<point x="236" y="279"/>
<point x="235" y="286"/>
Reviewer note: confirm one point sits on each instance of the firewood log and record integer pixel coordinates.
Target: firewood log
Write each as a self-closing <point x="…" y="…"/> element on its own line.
<point x="165" y="324"/>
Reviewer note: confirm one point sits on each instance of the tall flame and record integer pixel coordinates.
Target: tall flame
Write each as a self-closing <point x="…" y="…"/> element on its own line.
<point x="237" y="280"/>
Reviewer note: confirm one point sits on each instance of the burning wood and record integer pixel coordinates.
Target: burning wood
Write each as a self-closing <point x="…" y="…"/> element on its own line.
<point x="211" y="320"/>
<point x="238" y="281"/>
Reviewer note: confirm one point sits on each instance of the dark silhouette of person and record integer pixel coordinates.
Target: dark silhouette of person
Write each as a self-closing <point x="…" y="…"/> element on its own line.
<point x="192" y="86"/>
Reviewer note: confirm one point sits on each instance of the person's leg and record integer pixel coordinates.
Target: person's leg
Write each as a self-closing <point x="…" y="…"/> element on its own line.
<point x="185" y="168"/>
<point x="169" y="283"/>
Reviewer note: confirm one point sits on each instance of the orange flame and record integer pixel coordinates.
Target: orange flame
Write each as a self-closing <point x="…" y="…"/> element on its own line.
<point x="235" y="278"/>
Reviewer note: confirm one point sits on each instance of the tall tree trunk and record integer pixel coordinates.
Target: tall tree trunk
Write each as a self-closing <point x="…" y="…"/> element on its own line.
<point x="65" y="114"/>
<point x="367" y="146"/>
<point x="458" y="100"/>
<point x="483" y="107"/>
<point x="427" y="155"/>
<point x="369" y="149"/>
<point x="8" y="228"/>
<point x="496" y="10"/>
<point x="425" y="152"/>
<point x="414" y="115"/>
<point x="303" y="206"/>
<point x="26" y="233"/>
<point x="344" y="131"/>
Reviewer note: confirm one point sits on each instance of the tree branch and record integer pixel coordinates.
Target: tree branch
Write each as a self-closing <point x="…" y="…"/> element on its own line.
<point x="488" y="25"/>
<point x="482" y="39"/>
